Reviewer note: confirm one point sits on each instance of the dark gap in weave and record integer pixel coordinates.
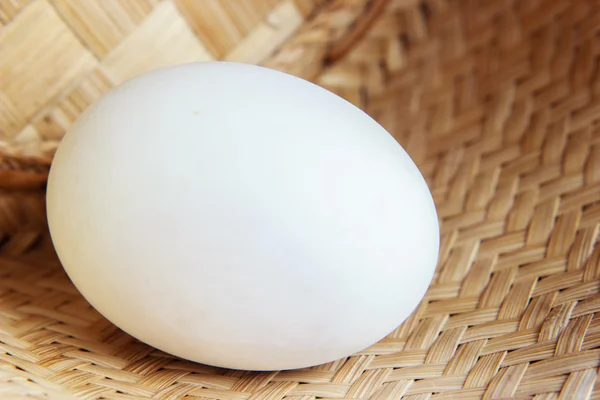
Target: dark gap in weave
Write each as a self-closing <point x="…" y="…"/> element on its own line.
<point x="363" y="96"/>
<point x="426" y="11"/>
<point x="520" y="80"/>
<point x="404" y="40"/>
<point x="3" y="240"/>
<point x="531" y="298"/>
<point x="34" y="245"/>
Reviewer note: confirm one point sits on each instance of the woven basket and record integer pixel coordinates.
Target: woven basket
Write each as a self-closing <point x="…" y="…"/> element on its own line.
<point x="497" y="101"/>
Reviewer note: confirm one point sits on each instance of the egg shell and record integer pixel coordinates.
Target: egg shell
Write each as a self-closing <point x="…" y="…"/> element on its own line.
<point x="241" y="217"/>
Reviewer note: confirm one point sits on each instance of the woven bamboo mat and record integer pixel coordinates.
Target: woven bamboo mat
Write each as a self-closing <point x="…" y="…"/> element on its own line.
<point x="498" y="102"/>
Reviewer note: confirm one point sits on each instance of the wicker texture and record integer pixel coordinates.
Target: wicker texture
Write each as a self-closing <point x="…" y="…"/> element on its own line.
<point x="499" y="104"/>
<point x="58" y="56"/>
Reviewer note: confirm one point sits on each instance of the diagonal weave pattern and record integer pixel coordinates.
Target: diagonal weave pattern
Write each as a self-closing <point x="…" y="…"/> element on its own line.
<point x="58" y="56"/>
<point x="499" y="104"/>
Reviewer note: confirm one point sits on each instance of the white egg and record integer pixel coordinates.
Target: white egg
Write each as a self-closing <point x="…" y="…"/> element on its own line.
<point x="241" y="217"/>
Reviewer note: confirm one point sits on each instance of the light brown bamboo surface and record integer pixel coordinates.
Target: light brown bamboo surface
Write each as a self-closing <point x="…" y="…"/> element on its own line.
<point x="498" y="101"/>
